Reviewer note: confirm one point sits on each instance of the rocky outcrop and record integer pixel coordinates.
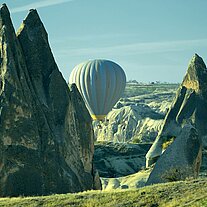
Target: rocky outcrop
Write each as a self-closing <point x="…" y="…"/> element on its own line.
<point x="189" y="107"/>
<point x="138" y="116"/>
<point x="138" y="123"/>
<point x="133" y="181"/>
<point x="46" y="138"/>
<point x="119" y="159"/>
<point x="181" y="160"/>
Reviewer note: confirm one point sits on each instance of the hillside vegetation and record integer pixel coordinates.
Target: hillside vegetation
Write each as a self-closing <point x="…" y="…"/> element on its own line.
<point x="132" y="90"/>
<point x="188" y="193"/>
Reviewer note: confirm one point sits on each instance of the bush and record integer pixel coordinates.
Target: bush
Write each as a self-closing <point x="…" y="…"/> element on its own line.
<point x="167" y="143"/>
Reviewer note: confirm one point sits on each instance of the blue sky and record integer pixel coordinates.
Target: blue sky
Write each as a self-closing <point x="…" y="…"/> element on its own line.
<point x="151" y="39"/>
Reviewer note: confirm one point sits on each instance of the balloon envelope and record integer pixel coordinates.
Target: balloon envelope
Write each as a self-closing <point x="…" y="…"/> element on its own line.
<point x="101" y="84"/>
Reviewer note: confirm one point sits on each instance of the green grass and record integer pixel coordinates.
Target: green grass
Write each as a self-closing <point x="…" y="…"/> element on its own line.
<point x="189" y="193"/>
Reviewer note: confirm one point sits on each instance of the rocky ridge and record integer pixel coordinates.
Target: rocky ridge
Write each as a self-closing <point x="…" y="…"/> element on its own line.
<point x="138" y="118"/>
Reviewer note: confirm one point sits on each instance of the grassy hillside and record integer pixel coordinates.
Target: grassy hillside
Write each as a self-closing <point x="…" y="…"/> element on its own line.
<point x="190" y="193"/>
<point x="137" y="89"/>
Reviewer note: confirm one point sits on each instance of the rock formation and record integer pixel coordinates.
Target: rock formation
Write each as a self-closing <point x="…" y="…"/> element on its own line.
<point x="119" y="159"/>
<point x="46" y="137"/>
<point x="136" y="180"/>
<point x="138" y="116"/>
<point x="180" y="160"/>
<point x="188" y="107"/>
<point x="128" y="123"/>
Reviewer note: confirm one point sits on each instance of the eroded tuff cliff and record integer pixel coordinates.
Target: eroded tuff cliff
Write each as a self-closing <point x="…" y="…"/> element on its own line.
<point x="137" y="118"/>
<point x="181" y="160"/>
<point x="188" y="107"/>
<point x="46" y="137"/>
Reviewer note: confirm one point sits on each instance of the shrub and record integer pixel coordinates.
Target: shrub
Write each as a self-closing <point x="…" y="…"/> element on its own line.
<point x="167" y="143"/>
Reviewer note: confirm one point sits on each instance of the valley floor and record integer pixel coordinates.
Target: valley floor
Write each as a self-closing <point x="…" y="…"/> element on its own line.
<point x="184" y="193"/>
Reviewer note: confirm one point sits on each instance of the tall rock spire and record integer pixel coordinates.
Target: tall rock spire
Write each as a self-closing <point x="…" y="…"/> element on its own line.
<point x="188" y="107"/>
<point x="196" y="76"/>
<point x="45" y="145"/>
<point x="5" y="19"/>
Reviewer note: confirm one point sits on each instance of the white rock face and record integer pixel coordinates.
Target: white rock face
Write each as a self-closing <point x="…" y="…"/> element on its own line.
<point x="137" y="118"/>
<point x="133" y="181"/>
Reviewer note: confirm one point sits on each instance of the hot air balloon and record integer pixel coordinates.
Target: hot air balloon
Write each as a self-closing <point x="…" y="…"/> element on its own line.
<point x="101" y="84"/>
